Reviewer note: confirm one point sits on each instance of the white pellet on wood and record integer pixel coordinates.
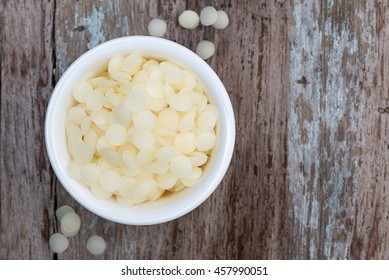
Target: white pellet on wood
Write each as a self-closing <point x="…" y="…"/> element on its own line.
<point x="208" y="16"/>
<point x="205" y="49"/>
<point x="222" y="20"/>
<point x="189" y="19"/>
<point x="96" y="245"/>
<point x="62" y="211"/>
<point x="157" y="27"/>
<point x="58" y="243"/>
<point x="70" y="224"/>
<point x="140" y="129"/>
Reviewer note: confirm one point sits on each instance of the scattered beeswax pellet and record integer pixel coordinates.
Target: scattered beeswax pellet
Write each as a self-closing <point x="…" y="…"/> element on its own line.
<point x="189" y="19"/>
<point x="208" y="16"/>
<point x="157" y="27"/>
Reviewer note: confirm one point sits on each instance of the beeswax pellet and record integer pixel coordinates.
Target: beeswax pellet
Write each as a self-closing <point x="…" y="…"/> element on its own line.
<point x="96" y="245"/>
<point x="58" y="243"/>
<point x="189" y="19"/>
<point x="157" y="27"/>
<point x="208" y="16"/>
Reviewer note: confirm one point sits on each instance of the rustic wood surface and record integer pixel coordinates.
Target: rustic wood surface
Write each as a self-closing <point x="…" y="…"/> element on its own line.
<point x="309" y="176"/>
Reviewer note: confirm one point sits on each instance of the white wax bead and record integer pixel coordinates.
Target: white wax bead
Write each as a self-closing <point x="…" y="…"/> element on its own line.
<point x="95" y="81"/>
<point x="116" y="134"/>
<point x="105" y="165"/>
<point x="205" y="141"/>
<point x="127" y="187"/>
<point x="166" y="66"/>
<point x="206" y="121"/>
<point x="121" y="77"/>
<point x="62" y="211"/>
<point x="90" y="174"/>
<point x="90" y="138"/>
<point x="74" y="170"/>
<point x="114" y="98"/>
<point x="185" y="142"/>
<point x="115" y="63"/>
<point x="144" y="120"/>
<point x="198" y="158"/>
<point x="130" y="172"/>
<point x="100" y="117"/>
<point x="150" y="65"/>
<point x="136" y="101"/>
<point x="188" y="82"/>
<point x="169" y="90"/>
<point x="145" y="156"/>
<point x="96" y="245"/>
<point x="100" y="193"/>
<point x="122" y="114"/>
<point x="168" y="118"/>
<point x="155" y="88"/>
<point x="189" y="19"/>
<point x="73" y="130"/>
<point x="85" y="125"/>
<point x="125" y="201"/>
<point x="208" y="16"/>
<point x="160" y="130"/>
<point x="180" y="166"/>
<point x="81" y="90"/>
<point x="189" y="183"/>
<point x="205" y="49"/>
<point x="102" y="143"/>
<point x="81" y="152"/>
<point x="165" y="154"/>
<point x="143" y="189"/>
<point x="174" y="76"/>
<point x="132" y="63"/>
<point x="94" y="101"/>
<point x="140" y="77"/>
<point x="71" y="141"/>
<point x="180" y="102"/>
<point x="70" y="224"/>
<point x="123" y="89"/>
<point x="130" y="158"/>
<point x="58" y="243"/>
<point x="222" y="20"/>
<point x="196" y="174"/>
<point x="156" y="104"/>
<point x="211" y="108"/>
<point x="157" y="27"/>
<point x="156" y="195"/>
<point x="143" y="140"/>
<point x="110" y="181"/>
<point x="144" y="174"/>
<point x="187" y="122"/>
<point x="156" y="74"/>
<point x="106" y="83"/>
<point x="166" y="181"/>
<point x="159" y="168"/>
<point x="178" y="187"/>
<point x="111" y="156"/>
<point x="76" y="115"/>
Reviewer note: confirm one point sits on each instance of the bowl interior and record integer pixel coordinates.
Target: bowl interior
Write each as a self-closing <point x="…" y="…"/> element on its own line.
<point x="170" y="206"/>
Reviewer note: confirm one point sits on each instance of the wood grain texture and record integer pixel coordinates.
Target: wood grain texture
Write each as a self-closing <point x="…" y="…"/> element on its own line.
<point x="27" y="197"/>
<point x="308" y="179"/>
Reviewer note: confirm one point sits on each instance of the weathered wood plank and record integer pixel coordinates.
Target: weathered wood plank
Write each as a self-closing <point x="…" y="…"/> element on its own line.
<point x="25" y="176"/>
<point x="337" y="139"/>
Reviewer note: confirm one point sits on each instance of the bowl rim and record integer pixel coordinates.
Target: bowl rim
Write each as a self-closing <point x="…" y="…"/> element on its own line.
<point x="182" y="51"/>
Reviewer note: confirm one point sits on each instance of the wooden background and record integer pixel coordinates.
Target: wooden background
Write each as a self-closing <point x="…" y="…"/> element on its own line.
<point x="309" y="176"/>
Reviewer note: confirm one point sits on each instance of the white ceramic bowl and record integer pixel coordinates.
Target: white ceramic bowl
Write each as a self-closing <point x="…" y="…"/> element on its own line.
<point x="166" y="208"/>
